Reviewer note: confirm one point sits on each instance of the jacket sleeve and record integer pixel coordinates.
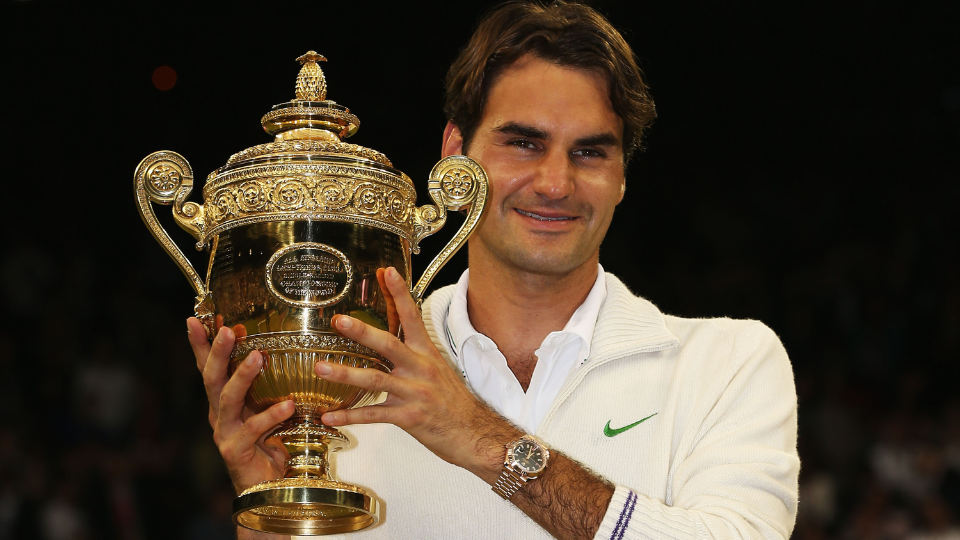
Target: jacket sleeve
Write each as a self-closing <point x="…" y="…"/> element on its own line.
<point x="739" y="480"/>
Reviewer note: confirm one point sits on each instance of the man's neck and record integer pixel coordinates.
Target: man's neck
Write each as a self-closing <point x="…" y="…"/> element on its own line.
<point x="518" y="309"/>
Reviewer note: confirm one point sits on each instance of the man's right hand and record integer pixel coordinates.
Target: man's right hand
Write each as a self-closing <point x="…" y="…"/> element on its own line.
<point x="237" y="431"/>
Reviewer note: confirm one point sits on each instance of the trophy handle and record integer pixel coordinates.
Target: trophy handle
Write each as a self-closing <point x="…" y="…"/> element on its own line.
<point x="166" y="178"/>
<point x="455" y="183"/>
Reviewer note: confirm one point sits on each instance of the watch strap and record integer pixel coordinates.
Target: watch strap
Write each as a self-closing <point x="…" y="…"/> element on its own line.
<point x="509" y="482"/>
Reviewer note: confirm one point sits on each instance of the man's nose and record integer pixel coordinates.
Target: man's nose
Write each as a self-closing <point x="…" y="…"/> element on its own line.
<point x="555" y="177"/>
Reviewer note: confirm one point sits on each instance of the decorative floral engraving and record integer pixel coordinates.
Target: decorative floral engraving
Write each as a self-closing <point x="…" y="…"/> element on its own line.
<point x="429" y="214"/>
<point x="334" y="195"/>
<point x="456" y="183"/>
<point x="318" y="342"/>
<point x="165" y="178"/>
<point x="224" y="205"/>
<point x="367" y="199"/>
<point x="263" y="172"/>
<point x="316" y="191"/>
<point x="397" y="207"/>
<point x="290" y="195"/>
<point x="251" y="196"/>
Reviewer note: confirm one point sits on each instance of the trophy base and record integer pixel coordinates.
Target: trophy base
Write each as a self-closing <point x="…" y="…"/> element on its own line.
<point x="305" y="507"/>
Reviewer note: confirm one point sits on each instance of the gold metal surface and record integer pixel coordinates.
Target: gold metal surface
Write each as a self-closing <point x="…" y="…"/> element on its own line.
<point x="311" y="84"/>
<point x="296" y="230"/>
<point x="309" y="148"/>
<point x="340" y="188"/>
<point x="456" y="182"/>
<point x="306" y="507"/>
<point x="161" y="178"/>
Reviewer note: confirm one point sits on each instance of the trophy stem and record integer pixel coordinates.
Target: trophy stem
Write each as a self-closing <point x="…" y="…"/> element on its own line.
<point x="308" y="500"/>
<point x="308" y="445"/>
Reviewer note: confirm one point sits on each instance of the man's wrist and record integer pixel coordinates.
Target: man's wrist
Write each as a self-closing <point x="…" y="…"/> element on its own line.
<point x="525" y="460"/>
<point x="492" y="433"/>
<point x="491" y="451"/>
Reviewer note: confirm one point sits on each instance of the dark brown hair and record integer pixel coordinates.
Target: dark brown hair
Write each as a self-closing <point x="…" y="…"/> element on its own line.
<point x="570" y="35"/>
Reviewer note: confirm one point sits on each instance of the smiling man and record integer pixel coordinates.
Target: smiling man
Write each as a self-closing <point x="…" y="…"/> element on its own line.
<point x="539" y="396"/>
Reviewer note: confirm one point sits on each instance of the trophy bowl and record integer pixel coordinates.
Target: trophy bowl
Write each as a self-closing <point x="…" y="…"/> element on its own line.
<point x="296" y="231"/>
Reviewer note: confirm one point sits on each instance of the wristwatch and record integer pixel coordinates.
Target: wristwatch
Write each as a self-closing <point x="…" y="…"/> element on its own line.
<point x="526" y="459"/>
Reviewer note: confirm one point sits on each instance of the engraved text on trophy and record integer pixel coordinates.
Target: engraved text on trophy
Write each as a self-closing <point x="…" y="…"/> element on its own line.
<point x="309" y="274"/>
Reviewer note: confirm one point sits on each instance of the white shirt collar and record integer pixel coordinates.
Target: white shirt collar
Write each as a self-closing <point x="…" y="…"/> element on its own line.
<point x="582" y="323"/>
<point x="560" y="355"/>
<point x="584" y="319"/>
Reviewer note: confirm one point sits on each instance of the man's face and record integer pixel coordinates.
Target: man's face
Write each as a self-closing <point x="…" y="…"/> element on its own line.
<point x="552" y="147"/>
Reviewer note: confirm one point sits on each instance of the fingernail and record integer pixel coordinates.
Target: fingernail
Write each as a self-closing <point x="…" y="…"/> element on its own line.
<point x="392" y="273"/>
<point x="252" y="359"/>
<point x="344" y="322"/>
<point x="323" y="368"/>
<point x="225" y="334"/>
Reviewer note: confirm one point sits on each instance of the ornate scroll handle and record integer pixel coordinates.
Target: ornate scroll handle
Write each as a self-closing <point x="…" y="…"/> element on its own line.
<point x="455" y="183"/>
<point x="166" y="178"/>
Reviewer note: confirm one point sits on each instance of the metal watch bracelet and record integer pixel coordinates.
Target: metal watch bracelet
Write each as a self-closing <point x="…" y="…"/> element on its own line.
<point x="509" y="482"/>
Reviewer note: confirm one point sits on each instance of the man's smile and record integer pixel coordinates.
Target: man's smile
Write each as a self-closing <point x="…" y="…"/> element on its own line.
<point x="542" y="217"/>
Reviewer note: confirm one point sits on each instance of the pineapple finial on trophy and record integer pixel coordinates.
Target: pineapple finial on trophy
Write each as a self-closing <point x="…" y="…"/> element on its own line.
<point x="311" y="85"/>
<point x="310" y="115"/>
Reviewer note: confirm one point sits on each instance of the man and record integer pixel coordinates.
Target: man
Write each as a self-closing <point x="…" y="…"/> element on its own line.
<point x="689" y="426"/>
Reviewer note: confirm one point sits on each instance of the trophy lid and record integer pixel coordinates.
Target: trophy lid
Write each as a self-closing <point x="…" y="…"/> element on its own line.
<point x="310" y="123"/>
<point x="308" y="173"/>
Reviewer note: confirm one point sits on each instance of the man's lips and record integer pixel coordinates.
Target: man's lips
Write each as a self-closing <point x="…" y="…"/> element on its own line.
<point x="541" y="217"/>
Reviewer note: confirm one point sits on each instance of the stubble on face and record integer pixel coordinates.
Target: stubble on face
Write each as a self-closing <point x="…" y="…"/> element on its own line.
<point x="552" y="147"/>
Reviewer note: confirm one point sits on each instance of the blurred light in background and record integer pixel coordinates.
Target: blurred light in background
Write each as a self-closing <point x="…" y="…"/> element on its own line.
<point x="164" y="78"/>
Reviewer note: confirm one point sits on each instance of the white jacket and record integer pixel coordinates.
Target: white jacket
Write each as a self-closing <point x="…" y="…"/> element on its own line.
<point x="717" y="460"/>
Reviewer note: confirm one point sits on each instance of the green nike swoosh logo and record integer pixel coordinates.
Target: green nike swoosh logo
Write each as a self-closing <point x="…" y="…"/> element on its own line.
<point x="613" y="432"/>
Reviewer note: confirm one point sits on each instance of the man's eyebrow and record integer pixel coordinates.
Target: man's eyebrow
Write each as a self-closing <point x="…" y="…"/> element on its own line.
<point x="600" y="139"/>
<point x="513" y="128"/>
<point x="524" y="130"/>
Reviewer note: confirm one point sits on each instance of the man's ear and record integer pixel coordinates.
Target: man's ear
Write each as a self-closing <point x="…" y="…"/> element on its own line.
<point x="452" y="141"/>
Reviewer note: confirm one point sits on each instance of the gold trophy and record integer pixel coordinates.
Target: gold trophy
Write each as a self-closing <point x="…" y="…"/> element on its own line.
<point x="296" y="230"/>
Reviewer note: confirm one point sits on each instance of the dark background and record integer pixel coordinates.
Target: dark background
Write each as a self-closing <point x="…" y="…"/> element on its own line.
<point x="803" y="171"/>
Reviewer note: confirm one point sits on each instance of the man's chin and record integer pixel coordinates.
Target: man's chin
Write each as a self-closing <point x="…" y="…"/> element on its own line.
<point x="547" y="264"/>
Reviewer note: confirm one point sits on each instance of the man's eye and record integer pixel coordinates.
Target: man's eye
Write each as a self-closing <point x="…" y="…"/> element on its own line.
<point x="523" y="143"/>
<point x="588" y="152"/>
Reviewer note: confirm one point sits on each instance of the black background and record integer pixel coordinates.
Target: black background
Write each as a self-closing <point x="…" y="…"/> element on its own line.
<point x="803" y="171"/>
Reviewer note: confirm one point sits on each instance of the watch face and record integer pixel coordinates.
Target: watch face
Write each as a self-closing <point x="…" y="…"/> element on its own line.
<point x="529" y="456"/>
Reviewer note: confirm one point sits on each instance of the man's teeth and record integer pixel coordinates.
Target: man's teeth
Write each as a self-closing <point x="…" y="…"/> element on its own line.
<point x="542" y="218"/>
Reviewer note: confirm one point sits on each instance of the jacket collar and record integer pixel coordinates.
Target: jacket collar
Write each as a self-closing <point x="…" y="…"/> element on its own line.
<point x="435" y="310"/>
<point x="627" y="324"/>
